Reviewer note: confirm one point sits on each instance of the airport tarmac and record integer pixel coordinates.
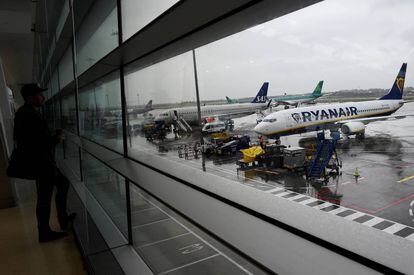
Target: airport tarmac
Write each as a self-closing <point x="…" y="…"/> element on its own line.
<point x="384" y="159"/>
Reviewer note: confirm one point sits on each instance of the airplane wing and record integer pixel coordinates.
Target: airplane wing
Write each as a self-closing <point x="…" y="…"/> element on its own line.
<point x="227" y="115"/>
<point x="367" y="120"/>
<point x="283" y="102"/>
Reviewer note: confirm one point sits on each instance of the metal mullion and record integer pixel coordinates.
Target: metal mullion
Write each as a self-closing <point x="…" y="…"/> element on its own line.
<point x="122" y="84"/>
<point x="124" y="126"/>
<point x="128" y="205"/>
<point x="59" y="95"/>
<point x="76" y="82"/>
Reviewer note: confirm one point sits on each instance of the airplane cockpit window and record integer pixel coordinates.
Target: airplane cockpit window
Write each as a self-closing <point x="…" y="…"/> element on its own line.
<point x="270" y="120"/>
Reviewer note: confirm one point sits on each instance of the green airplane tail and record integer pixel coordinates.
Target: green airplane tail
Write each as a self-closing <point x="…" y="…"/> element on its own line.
<point x="318" y="89"/>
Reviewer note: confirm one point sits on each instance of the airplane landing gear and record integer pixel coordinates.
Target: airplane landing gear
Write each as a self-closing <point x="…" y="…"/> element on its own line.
<point x="360" y="135"/>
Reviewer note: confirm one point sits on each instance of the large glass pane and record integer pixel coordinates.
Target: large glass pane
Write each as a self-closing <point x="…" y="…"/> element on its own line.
<point x="48" y="114"/>
<point x="137" y="14"/>
<point x="151" y="92"/>
<point x="354" y="55"/>
<point x="72" y="157"/>
<point x="69" y="113"/>
<point x="54" y="83"/>
<point x="56" y="114"/>
<point x="100" y="112"/>
<point x="98" y="34"/>
<point x="108" y="188"/>
<point x="66" y="68"/>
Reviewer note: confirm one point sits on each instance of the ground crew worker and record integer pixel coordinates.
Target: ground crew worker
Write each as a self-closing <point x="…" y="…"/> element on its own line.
<point x="261" y="142"/>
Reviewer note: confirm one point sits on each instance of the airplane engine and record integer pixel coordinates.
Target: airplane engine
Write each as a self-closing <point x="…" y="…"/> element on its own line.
<point x="352" y="128"/>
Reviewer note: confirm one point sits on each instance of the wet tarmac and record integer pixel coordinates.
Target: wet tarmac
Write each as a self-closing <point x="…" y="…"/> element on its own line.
<point x="384" y="159"/>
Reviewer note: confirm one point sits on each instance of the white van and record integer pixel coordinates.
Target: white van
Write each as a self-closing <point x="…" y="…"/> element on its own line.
<point x="213" y="127"/>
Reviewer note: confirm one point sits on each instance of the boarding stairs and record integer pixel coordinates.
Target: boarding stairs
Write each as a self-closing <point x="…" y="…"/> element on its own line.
<point x="324" y="152"/>
<point x="183" y="124"/>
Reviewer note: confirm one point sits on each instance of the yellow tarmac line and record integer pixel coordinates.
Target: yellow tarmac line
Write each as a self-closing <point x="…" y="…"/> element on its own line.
<point x="406" y="179"/>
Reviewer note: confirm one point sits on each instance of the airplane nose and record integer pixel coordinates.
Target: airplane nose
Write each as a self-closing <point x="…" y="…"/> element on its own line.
<point x="260" y="129"/>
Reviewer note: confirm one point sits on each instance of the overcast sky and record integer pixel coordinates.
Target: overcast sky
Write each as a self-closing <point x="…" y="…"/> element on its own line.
<point x="348" y="44"/>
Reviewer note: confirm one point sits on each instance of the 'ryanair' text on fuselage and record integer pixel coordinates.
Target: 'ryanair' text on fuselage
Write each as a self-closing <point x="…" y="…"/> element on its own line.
<point x="324" y="114"/>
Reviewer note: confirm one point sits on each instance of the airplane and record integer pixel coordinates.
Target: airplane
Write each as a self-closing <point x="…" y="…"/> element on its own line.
<point x="140" y="110"/>
<point x="299" y="99"/>
<point x="134" y="111"/>
<point x="351" y="117"/>
<point x="231" y="101"/>
<point x="227" y="111"/>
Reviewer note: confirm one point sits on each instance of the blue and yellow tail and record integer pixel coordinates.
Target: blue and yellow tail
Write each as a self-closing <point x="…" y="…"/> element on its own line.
<point x="397" y="89"/>
<point x="261" y="96"/>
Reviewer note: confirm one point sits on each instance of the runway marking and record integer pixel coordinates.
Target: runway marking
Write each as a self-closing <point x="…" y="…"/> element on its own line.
<point x="337" y="211"/>
<point x="373" y="221"/>
<point x="406" y="179"/>
<point x="394" y="228"/>
<point x="345" y="183"/>
<point x="274" y="189"/>
<point x="354" y="216"/>
<point x="381" y="208"/>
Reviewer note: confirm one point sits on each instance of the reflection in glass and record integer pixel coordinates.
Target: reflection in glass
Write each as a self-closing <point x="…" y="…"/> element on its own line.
<point x="100" y="115"/>
<point x="98" y="34"/>
<point x="152" y="91"/>
<point x="72" y="156"/>
<point x="137" y="14"/>
<point x="108" y="188"/>
<point x="54" y="83"/>
<point x="69" y="113"/>
<point x="48" y="114"/>
<point x="66" y="68"/>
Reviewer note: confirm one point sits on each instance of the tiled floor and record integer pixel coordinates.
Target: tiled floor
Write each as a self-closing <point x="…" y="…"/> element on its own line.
<point x="20" y="252"/>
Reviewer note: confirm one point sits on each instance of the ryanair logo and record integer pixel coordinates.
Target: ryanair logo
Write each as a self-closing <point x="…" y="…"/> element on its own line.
<point x="324" y="114"/>
<point x="400" y="83"/>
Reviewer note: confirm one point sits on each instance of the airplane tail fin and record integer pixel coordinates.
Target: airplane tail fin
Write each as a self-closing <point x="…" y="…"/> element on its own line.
<point x="229" y="100"/>
<point x="261" y="96"/>
<point x="318" y="89"/>
<point x="397" y="89"/>
<point x="149" y="105"/>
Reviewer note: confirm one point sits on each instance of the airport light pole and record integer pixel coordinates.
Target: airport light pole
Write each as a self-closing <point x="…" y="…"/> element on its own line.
<point x="198" y="106"/>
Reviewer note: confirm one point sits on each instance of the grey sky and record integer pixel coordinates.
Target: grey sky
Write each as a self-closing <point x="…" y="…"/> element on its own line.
<point x="349" y="44"/>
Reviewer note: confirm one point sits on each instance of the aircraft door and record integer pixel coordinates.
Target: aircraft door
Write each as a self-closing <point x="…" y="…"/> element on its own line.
<point x="175" y="116"/>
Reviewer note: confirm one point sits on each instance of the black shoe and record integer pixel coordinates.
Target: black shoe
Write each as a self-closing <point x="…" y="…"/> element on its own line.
<point x="68" y="222"/>
<point x="51" y="236"/>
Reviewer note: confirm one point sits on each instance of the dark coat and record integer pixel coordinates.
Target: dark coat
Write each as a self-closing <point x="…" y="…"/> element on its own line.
<point x="33" y="138"/>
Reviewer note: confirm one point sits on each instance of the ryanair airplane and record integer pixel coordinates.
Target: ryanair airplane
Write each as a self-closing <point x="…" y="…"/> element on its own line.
<point x="225" y="111"/>
<point x="350" y="117"/>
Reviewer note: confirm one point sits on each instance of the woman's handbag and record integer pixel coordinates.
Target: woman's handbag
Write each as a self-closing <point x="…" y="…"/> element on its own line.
<point x="20" y="166"/>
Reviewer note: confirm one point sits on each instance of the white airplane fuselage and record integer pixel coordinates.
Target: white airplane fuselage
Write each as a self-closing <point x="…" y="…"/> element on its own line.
<point x="323" y="117"/>
<point x="190" y="114"/>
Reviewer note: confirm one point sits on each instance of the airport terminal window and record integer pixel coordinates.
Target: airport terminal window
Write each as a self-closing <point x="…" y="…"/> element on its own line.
<point x="108" y="188"/>
<point x="98" y="34"/>
<point x="72" y="157"/>
<point x="151" y="93"/>
<point x="54" y="82"/>
<point x="48" y="114"/>
<point x="66" y="68"/>
<point x="138" y="13"/>
<point x="100" y="115"/>
<point x="69" y="113"/>
<point x="56" y="114"/>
